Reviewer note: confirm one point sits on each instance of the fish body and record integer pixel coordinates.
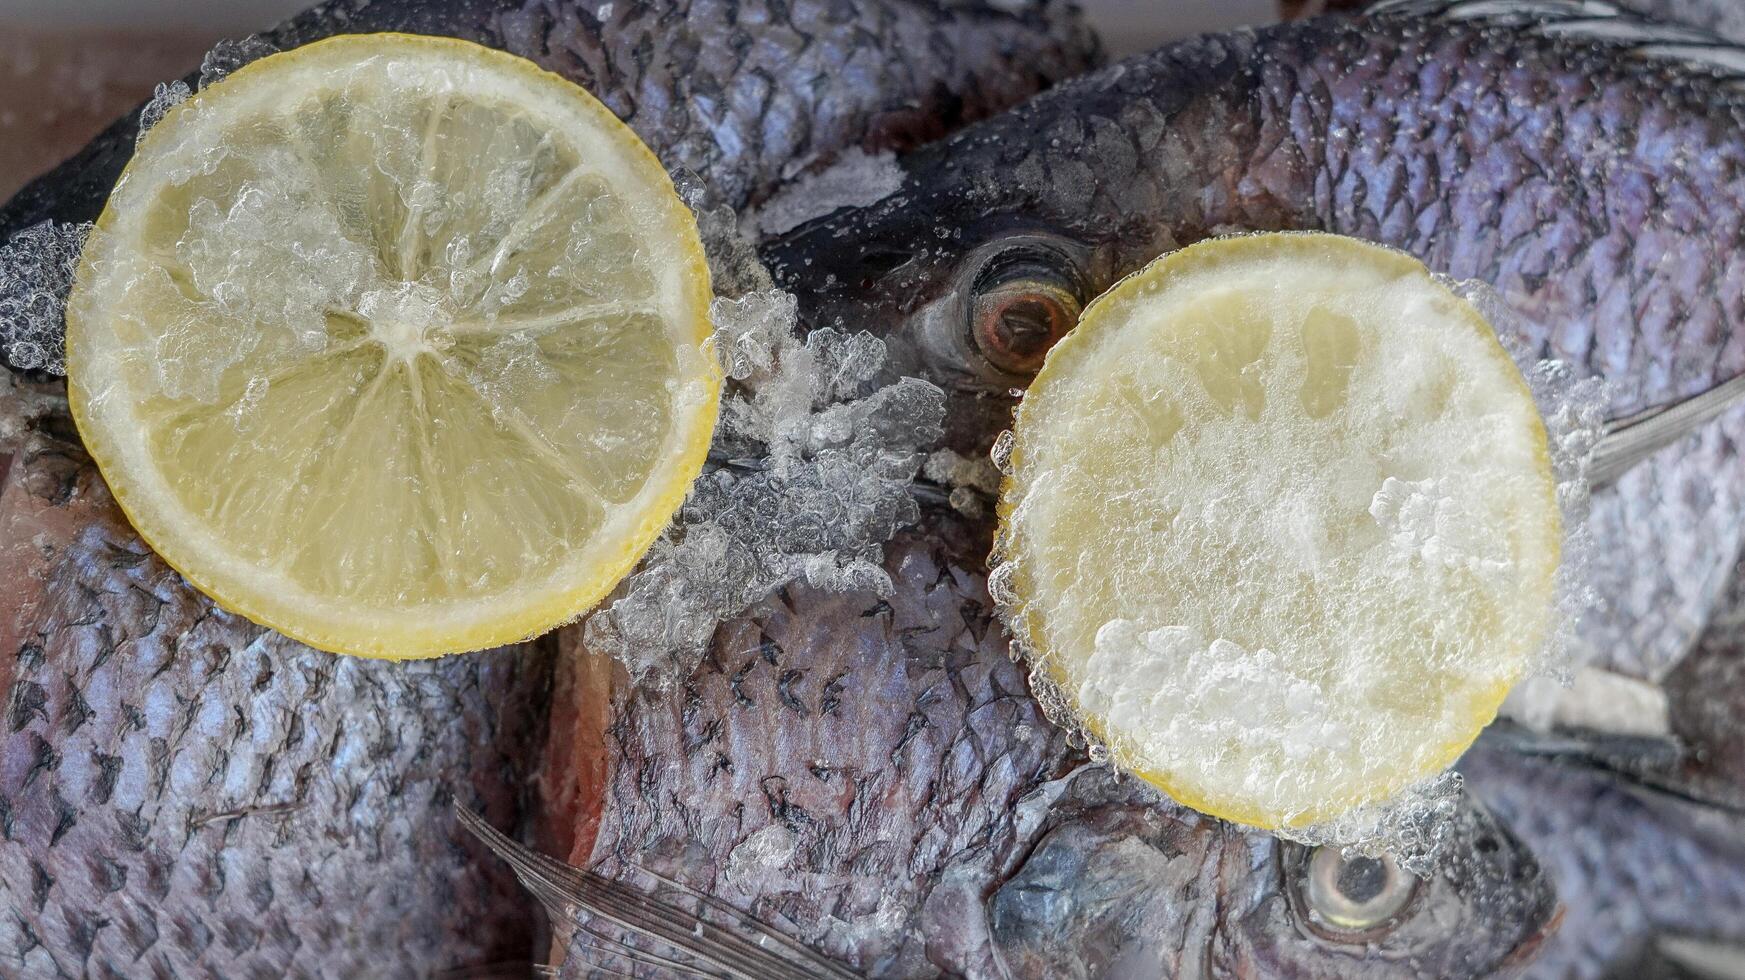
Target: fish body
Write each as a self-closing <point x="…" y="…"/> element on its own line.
<point x="1594" y="176"/>
<point x="871" y="775"/>
<point x="183" y="794"/>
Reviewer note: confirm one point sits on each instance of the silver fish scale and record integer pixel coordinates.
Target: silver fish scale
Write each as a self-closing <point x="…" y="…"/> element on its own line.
<point x="184" y="794"/>
<point x="861" y="784"/>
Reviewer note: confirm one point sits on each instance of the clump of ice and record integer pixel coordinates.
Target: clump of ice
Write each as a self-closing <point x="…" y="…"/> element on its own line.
<point x="971" y="482"/>
<point x="37" y="267"/>
<point x="266" y="262"/>
<point x="810" y="472"/>
<point x="165" y="97"/>
<point x="733" y="263"/>
<point x="228" y="55"/>
<point x="1425" y="524"/>
<point x="856" y="179"/>
<point x="1575" y="411"/>
<point x="1411" y="826"/>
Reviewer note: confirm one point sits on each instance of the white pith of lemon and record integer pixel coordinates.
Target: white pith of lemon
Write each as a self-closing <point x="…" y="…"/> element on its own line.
<point x="1280" y="522"/>
<point x="396" y="344"/>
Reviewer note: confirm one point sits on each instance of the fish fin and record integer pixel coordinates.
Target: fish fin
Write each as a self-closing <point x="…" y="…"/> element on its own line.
<point x="738" y="948"/>
<point x="1591" y="20"/>
<point x="1645" y="766"/>
<point x="1634" y="438"/>
<point x="1703" y="958"/>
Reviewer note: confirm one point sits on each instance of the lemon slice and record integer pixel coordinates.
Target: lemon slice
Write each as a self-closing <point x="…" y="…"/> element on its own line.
<point x="1280" y="523"/>
<point x="395" y="344"/>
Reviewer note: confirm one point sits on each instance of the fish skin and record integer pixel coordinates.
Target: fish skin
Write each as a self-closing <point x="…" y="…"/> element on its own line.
<point x="1133" y="888"/>
<point x="874" y="776"/>
<point x="1629" y="863"/>
<point x="185" y="794"/>
<point x="886" y="742"/>
<point x="1601" y="192"/>
<point x="731" y="89"/>
<point x="108" y="656"/>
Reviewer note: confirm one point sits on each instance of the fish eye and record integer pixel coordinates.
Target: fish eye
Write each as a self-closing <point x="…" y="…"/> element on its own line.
<point x="1023" y="299"/>
<point x="1351" y="898"/>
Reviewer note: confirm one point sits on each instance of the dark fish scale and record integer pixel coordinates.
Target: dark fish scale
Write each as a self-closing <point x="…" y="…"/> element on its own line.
<point x="871" y="824"/>
<point x="804" y="83"/>
<point x="172" y="826"/>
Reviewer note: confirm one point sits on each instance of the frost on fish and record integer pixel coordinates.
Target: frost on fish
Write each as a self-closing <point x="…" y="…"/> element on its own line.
<point x="856" y="179"/>
<point x="814" y="458"/>
<point x="815" y="462"/>
<point x="973" y="481"/>
<point x="37" y="267"/>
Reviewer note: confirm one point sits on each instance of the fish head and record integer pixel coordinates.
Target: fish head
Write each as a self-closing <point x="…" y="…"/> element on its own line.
<point x="1138" y="888"/>
<point x="1485" y="906"/>
<point x="970" y="299"/>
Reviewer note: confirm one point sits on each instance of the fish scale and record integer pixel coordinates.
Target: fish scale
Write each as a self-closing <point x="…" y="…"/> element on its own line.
<point x="182" y="787"/>
<point x="866" y="801"/>
<point x="734" y="90"/>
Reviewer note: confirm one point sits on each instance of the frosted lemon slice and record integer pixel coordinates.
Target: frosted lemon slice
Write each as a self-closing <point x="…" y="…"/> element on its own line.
<point x="395" y="344"/>
<point x="1281" y="524"/>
